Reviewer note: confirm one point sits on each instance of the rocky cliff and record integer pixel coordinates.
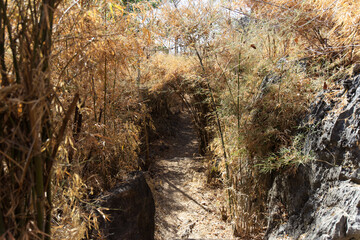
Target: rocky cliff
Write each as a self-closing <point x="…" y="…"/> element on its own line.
<point x="321" y="199"/>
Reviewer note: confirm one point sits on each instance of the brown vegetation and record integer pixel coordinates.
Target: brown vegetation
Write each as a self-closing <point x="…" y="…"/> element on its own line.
<point x="81" y="81"/>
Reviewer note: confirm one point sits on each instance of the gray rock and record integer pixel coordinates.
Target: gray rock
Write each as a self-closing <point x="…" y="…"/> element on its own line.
<point x="243" y="22"/>
<point x="355" y="176"/>
<point x="356" y="69"/>
<point x="267" y="81"/>
<point x="322" y="199"/>
<point x="131" y="211"/>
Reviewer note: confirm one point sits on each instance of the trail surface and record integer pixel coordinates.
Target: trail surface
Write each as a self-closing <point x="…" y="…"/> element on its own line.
<point x="186" y="207"/>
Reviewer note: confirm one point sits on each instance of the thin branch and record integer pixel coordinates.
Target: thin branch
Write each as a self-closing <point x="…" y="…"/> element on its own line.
<point x="65" y="12"/>
<point x="5" y="80"/>
<point x="72" y="58"/>
<point x="12" y="42"/>
<point x="61" y="134"/>
<point x="314" y="18"/>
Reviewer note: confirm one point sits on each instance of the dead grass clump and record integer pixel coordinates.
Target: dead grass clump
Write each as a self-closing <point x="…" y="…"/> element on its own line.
<point x="273" y="117"/>
<point x="325" y="27"/>
<point x="179" y="76"/>
<point x="74" y="113"/>
<point x="263" y="91"/>
<point x="100" y="57"/>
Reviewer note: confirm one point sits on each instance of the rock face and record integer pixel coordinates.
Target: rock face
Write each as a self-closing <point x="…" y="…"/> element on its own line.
<point x="131" y="211"/>
<point x="321" y="200"/>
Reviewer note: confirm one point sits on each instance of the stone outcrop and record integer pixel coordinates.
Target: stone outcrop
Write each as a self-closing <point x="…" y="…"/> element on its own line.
<point x="321" y="200"/>
<point x="131" y="211"/>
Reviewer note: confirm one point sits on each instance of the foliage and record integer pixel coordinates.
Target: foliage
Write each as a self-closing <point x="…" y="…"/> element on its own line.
<point x="326" y="27"/>
<point x="100" y="50"/>
<point x="94" y="63"/>
<point x="81" y="81"/>
<point x="287" y="157"/>
<point x="28" y="141"/>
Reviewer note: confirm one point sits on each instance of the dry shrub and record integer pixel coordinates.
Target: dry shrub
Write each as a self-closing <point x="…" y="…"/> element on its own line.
<point x="175" y="82"/>
<point x="103" y="54"/>
<point x="258" y="119"/>
<point x="325" y="27"/>
<point x="99" y="53"/>
<point x="28" y="142"/>
<point x="273" y="118"/>
<point x="295" y="41"/>
<point x="165" y="69"/>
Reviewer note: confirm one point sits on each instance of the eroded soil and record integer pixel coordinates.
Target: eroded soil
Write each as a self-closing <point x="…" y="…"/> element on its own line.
<point x="186" y="207"/>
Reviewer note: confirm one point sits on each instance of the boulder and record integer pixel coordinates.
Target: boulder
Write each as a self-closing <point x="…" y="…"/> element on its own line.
<point x="131" y="210"/>
<point x="321" y="200"/>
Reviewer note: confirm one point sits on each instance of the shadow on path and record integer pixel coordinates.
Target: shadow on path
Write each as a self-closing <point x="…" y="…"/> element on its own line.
<point x="185" y="206"/>
<point x="186" y="195"/>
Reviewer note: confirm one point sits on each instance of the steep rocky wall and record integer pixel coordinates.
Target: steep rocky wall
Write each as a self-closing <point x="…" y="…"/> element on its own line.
<point x="321" y="200"/>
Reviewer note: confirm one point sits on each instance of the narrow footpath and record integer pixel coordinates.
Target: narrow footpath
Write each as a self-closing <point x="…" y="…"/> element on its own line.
<point x="186" y="207"/>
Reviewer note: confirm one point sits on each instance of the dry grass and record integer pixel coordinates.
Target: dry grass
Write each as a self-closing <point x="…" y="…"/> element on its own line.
<point x="107" y="57"/>
<point x="306" y="44"/>
<point x="99" y="58"/>
<point x="257" y="121"/>
<point x="95" y="58"/>
<point x="325" y="27"/>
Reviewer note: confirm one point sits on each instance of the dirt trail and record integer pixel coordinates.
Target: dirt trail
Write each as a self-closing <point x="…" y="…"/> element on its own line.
<point x="185" y="206"/>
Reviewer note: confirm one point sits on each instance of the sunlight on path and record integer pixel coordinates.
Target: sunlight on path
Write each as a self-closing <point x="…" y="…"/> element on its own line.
<point x="185" y="206"/>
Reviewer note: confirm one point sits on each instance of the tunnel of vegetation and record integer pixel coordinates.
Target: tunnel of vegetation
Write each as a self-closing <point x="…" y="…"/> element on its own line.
<point x="173" y="98"/>
<point x="87" y="86"/>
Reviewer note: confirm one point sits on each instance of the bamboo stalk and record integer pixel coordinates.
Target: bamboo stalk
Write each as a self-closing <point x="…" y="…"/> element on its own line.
<point x="39" y="188"/>
<point x="105" y="90"/>
<point x="12" y="41"/>
<point x="48" y="211"/>
<point x="5" y="80"/>
<point x="138" y="74"/>
<point x="2" y="225"/>
<point x="94" y="97"/>
<point x="239" y="115"/>
<point x="113" y="93"/>
<point x="215" y="108"/>
<point x="105" y="86"/>
<point x="238" y="100"/>
<point x="226" y="80"/>
<point x="219" y="128"/>
<point x="145" y="120"/>
<point x="147" y="157"/>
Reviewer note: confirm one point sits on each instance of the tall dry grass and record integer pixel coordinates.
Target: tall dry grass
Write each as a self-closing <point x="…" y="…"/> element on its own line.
<point x="325" y="27"/>
<point x="255" y="123"/>
<point x="100" y="49"/>
<point x="71" y="119"/>
<point x="103" y="53"/>
<point x="306" y="46"/>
